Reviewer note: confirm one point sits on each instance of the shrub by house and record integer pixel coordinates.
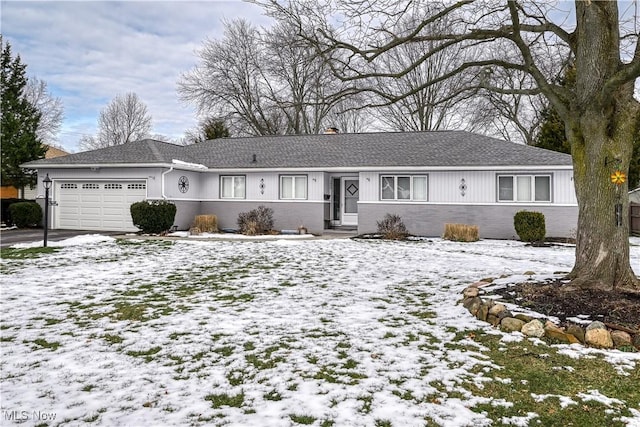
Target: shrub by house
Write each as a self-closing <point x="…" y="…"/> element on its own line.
<point x="153" y="216"/>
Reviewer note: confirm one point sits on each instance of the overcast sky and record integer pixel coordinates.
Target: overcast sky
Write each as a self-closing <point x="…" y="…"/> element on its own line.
<point x="90" y="51"/>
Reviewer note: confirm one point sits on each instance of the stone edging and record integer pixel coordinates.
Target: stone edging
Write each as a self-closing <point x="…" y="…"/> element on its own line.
<point x="596" y="334"/>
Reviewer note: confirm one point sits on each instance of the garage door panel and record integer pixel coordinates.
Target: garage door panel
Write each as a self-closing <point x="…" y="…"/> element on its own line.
<point x="98" y="205"/>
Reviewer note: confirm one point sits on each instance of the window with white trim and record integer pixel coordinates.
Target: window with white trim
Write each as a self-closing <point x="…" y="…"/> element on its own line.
<point x="68" y="186"/>
<point x="136" y="186"/>
<point x="113" y="186"/>
<point x="90" y="186"/>
<point x="293" y="187"/>
<point x="524" y="188"/>
<point x="403" y="187"/>
<point x="232" y="187"/>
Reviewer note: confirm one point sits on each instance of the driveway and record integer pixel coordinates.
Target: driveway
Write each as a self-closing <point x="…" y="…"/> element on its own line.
<point x="27" y="235"/>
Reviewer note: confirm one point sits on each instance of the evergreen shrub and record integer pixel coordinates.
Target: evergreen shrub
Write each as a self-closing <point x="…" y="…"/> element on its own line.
<point x="25" y="214"/>
<point x="153" y="216"/>
<point x="530" y="226"/>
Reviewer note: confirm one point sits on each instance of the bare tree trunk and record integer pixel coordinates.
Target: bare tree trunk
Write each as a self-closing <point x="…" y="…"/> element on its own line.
<point x="602" y="250"/>
<point x="600" y="126"/>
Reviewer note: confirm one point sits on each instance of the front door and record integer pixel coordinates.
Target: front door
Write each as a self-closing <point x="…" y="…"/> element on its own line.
<point x="350" y="195"/>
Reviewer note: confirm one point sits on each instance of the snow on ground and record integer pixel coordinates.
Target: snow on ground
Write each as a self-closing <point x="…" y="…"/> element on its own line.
<point x="253" y="333"/>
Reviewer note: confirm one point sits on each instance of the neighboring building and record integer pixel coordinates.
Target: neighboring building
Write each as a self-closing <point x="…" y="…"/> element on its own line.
<point x="321" y="182"/>
<point x="634" y="195"/>
<point x="11" y="192"/>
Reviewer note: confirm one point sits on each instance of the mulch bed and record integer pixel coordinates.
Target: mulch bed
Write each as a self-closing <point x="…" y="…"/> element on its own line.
<point x="549" y="299"/>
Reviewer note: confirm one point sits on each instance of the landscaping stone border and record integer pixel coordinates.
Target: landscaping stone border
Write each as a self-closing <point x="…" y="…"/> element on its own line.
<point x="596" y="334"/>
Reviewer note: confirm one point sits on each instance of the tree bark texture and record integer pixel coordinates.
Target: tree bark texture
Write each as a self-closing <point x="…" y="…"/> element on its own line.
<point x="600" y="127"/>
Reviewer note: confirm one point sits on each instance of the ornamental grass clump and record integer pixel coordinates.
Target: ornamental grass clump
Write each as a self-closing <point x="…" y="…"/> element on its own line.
<point x="206" y="223"/>
<point x="530" y="226"/>
<point x="461" y="233"/>
<point x="392" y="228"/>
<point x="256" y="221"/>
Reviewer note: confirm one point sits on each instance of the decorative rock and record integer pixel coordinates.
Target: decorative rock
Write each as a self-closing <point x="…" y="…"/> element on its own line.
<point x="472" y="304"/>
<point x="479" y="284"/>
<point x="534" y="328"/>
<point x="497" y="308"/>
<point x="550" y="325"/>
<point x="529" y="273"/>
<point x="553" y="331"/>
<point x="470" y="292"/>
<point x="484" y="310"/>
<point x="596" y="325"/>
<point x="523" y="317"/>
<point x="558" y="335"/>
<point x="572" y="339"/>
<point x="503" y="314"/>
<point x="598" y="337"/>
<point x="494" y="320"/>
<point x="576" y="331"/>
<point x="511" y="324"/>
<point x="621" y="338"/>
<point x="635" y="340"/>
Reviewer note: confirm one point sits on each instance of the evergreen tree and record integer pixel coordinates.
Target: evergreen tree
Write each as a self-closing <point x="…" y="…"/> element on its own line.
<point x="551" y="134"/>
<point x="19" y="123"/>
<point x="214" y="129"/>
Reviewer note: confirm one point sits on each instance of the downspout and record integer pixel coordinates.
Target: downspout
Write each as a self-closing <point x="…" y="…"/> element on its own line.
<point x="164" y="196"/>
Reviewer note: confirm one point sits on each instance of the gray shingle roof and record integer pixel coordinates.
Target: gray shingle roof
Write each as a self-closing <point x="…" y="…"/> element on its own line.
<point x="440" y="148"/>
<point x="144" y="151"/>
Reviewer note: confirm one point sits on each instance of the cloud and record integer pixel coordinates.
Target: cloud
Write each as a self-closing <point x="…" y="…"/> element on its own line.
<point x="90" y="51"/>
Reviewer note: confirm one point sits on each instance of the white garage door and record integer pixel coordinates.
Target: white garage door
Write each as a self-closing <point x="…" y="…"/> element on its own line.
<point x="97" y="205"/>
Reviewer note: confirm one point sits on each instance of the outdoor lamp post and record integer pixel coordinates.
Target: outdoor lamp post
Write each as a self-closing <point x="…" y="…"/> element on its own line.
<point x="47" y="185"/>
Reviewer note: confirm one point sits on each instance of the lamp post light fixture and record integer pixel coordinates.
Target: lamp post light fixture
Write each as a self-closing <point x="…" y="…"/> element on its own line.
<point x="47" y="185"/>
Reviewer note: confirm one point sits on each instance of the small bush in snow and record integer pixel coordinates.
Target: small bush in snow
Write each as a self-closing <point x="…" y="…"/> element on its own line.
<point x="256" y="221"/>
<point x="530" y="226"/>
<point x="25" y="214"/>
<point x="153" y="216"/>
<point x="391" y="227"/>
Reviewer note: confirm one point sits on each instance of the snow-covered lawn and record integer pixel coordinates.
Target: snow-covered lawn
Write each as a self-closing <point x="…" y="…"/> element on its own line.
<point x="273" y="333"/>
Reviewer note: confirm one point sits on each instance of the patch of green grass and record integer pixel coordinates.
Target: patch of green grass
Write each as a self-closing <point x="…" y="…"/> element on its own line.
<point x="113" y="339"/>
<point x="176" y="335"/>
<point x="88" y="387"/>
<point x="45" y="344"/>
<point x="366" y="403"/>
<point x="272" y="395"/>
<point x="52" y="321"/>
<point x="26" y="253"/>
<point x="249" y="346"/>
<point x="383" y="423"/>
<point x="224" y="399"/>
<point x="126" y="311"/>
<point x="146" y="354"/>
<point x="302" y="419"/>
<point x="350" y="364"/>
<point x="7" y="338"/>
<point x="538" y="369"/>
<point x="225" y="351"/>
<point x="237" y="377"/>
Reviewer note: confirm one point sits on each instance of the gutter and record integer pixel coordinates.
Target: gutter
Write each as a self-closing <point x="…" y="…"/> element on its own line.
<point x="164" y="196"/>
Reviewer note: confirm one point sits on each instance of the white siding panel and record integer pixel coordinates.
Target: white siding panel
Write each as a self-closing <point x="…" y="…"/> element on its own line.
<point x="369" y="186"/>
<point x="444" y="187"/>
<point x="563" y="188"/>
